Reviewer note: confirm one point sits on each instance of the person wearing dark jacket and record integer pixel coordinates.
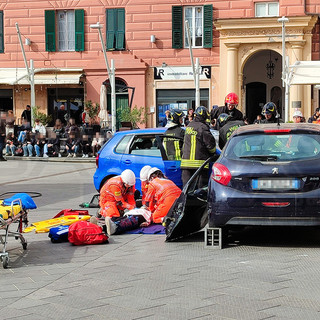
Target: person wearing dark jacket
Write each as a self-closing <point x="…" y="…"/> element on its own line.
<point x="230" y="107"/>
<point x="173" y="147"/>
<point x="270" y="112"/>
<point x="227" y="127"/>
<point x="315" y="116"/>
<point x="198" y="145"/>
<point x="2" y="134"/>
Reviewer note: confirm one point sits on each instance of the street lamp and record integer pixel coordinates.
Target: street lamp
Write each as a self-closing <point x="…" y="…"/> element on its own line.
<point x="285" y="84"/>
<point x="111" y="74"/>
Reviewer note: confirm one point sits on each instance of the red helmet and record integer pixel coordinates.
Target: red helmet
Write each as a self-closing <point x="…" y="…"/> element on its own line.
<point x="231" y="98"/>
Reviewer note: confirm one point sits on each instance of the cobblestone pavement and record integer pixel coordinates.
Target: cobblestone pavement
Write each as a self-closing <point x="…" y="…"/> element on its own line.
<point x="262" y="274"/>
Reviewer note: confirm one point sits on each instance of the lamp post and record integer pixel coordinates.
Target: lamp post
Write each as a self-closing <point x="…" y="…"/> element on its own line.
<point x="285" y="63"/>
<point x="111" y="74"/>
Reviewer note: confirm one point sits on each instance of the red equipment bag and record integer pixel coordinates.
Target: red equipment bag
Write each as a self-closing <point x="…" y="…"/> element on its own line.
<point x="84" y="232"/>
<point x="68" y="212"/>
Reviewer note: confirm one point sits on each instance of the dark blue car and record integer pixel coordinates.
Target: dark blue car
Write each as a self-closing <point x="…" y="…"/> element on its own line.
<point x="267" y="175"/>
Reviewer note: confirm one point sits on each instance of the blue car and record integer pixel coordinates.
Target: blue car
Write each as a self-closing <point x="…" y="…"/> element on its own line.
<point x="133" y="149"/>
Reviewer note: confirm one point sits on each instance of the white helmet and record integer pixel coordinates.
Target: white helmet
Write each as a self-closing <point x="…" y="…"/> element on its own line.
<point x="151" y="171"/>
<point x="128" y="177"/>
<point x="144" y="173"/>
<point x="297" y="113"/>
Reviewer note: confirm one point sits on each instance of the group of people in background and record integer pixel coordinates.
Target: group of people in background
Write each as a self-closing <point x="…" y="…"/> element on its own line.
<point x="65" y="138"/>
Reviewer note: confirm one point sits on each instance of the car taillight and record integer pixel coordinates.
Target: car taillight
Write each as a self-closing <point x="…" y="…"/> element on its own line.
<point x="220" y="174"/>
<point x="97" y="160"/>
<point x="277" y="131"/>
<point x="276" y="204"/>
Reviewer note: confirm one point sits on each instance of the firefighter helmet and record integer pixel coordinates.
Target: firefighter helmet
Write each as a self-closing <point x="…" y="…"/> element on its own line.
<point x="202" y="113"/>
<point x="176" y="115"/>
<point x="269" y="108"/>
<point x="231" y="98"/>
<point x="223" y="119"/>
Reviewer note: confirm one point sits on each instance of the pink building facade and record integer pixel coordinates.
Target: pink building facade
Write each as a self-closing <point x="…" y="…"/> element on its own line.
<point x="147" y="40"/>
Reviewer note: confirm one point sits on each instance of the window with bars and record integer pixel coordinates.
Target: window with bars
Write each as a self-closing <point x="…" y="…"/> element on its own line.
<point x="267" y="9"/>
<point x="64" y="30"/>
<point x="115" y="29"/>
<point x="200" y="20"/>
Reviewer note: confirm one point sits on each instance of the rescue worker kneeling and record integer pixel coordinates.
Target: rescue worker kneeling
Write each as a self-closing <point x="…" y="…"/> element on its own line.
<point x="116" y="197"/>
<point x="161" y="194"/>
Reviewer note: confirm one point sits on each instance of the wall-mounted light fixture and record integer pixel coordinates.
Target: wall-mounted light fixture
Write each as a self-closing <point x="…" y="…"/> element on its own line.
<point x="27" y="42"/>
<point x="164" y="65"/>
<point x="152" y="38"/>
<point x="270" y="68"/>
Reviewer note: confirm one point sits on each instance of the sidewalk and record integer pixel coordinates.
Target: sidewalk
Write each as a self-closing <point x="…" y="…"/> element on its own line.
<point x="52" y="159"/>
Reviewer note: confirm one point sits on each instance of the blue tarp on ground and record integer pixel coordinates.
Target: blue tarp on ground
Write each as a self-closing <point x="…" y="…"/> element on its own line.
<point x="152" y="229"/>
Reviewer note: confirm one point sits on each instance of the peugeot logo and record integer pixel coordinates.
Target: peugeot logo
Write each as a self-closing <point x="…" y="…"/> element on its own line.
<point x="275" y="171"/>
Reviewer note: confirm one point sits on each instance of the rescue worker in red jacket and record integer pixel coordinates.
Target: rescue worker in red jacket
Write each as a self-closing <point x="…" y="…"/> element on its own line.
<point x="144" y="182"/>
<point x="161" y="194"/>
<point x="117" y="195"/>
<point x="198" y="145"/>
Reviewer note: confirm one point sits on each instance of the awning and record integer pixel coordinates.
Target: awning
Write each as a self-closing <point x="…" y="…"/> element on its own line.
<point x="12" y="76"/>
<point x="304" y="72"/>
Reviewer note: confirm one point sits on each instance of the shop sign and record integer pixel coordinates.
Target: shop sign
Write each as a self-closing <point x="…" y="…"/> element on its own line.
<point x="180" y="73"/>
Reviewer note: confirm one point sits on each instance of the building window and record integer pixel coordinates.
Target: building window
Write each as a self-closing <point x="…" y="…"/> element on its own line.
<point x="69" y="25"/>
<point x="267" y="9"/>
<point x="200" y="23"/>
<point x="1" y="33"/>
<point x="115" y="29"/>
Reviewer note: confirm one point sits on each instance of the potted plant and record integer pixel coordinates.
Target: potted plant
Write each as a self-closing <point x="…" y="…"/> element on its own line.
<point x="134" y="116"/>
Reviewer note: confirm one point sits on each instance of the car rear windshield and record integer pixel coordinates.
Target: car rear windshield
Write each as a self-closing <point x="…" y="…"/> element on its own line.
<point x="274" y="147"/>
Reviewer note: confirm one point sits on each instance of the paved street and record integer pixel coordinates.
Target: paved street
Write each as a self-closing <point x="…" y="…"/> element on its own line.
<point x="262" y="274"/>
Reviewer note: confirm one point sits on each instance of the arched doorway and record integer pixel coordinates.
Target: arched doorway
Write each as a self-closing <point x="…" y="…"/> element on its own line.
<point x="262" y="82"/>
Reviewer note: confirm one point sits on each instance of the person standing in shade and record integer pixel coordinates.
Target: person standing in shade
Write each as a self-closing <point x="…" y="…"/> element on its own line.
<point x="26" y="114"/>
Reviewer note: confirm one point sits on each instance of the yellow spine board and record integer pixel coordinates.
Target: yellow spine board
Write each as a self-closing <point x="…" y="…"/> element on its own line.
<point x="44" y="226"/>
<point x="6" y="211"/>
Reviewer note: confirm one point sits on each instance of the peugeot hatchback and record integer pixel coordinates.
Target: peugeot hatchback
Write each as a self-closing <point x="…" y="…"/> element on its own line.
<point x="267" y="175"/>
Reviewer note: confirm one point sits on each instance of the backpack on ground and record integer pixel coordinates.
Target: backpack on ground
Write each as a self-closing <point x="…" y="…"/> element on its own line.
<point x="84" y="232"/>
<point x="59" y="234"/>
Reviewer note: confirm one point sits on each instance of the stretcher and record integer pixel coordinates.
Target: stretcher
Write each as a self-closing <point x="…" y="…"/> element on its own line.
<point x="10" y="214"/>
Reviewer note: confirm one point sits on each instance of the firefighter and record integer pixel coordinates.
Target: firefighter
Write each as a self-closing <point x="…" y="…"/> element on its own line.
<point x="227" y="127"/>
<point x="198" y="145"/>
<point x="270" y="112"/>
<point x="173" y="147"/>
<point x="161" y="194"/>
<point x="230" y="107"/>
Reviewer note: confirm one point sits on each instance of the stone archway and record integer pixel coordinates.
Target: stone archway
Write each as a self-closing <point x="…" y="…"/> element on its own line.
<point x="262" y="82"/>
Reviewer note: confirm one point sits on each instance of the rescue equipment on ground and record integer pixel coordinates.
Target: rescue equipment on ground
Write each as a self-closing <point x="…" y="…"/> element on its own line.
<point x="14" y="210"/>
<point x="84" y="232"/>
<point x="59" y="234"/>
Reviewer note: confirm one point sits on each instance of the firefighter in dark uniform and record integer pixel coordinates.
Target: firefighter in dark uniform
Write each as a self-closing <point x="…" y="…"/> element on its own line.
<point x="227" y="127"/>
<point x="230" y="107"/>
<point x="270" y="112"/>
<point x="174" y="146"/>
<point x="198" y="145"/>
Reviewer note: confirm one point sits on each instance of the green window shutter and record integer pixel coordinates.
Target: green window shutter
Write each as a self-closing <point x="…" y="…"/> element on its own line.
<point x="207" y="26"/>
<point x="111" y="18"/>
<point x="1" y="33"/>
<point x="50" y="21"/>
<point x="79" y="29"/>
<point x="120" y="30"/>
<point x="177" y="27"/>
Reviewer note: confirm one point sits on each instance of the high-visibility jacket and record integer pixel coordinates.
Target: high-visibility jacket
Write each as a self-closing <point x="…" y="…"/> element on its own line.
<point x="160" y="197"/>
<point x="227" y="130"/>
<point x="198" y="145"/>
<point x="144" y="189"/>
<point x="173" y="146"/>
<point x="114" y="196"/>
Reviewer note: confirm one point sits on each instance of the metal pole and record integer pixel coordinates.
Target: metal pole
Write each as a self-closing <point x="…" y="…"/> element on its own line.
<point x="197" y="84"/>
<point x="195" y="69"/>
<point x="111" y="74"/>
<point x="22" y="49"/>
<point x="32" y="91"/>
<point x="283" y="20"/>
<point x="113" y="98"/>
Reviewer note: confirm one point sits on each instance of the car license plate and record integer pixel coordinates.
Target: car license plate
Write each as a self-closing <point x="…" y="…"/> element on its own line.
<point x="275" y="184"/>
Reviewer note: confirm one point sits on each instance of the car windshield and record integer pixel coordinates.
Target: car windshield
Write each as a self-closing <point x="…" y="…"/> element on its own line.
<point x="274" y="147"/>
